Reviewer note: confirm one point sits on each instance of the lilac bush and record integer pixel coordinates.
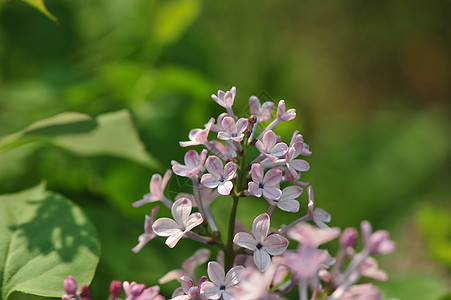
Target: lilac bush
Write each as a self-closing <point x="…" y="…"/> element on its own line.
<point x="259" y="264"/>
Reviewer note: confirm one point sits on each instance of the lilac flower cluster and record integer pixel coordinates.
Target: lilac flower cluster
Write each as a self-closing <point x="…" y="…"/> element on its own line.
<point x="256" y="264"/>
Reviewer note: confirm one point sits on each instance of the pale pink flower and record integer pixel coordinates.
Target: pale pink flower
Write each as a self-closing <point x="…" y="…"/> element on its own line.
<point x="184" y="222"/>
<point x="255" y="285"/>
<point x="262" y="244"/>
<point x="193" y="163"/>
<point x="283" y="115"/>
<point x="148" y="234"/>
<point x="267" y="185"/>
<point x="188" y="266"/>
<point x="297" y="141"/>
<point x="198" y="136"/>
<point x="318" y="215"/>
<point x="219" y="176"/>
<point x="70" y="285"/>
<point x="218" y="126"/>
<point x="232" y="130"/>
<point x="188" y="289"/>
<point x="295" y="166"/>
<point x="287" y="201"/>
<point x="220" y="282"/>
<point x="304" y="262"/>
<point x="378" y="242"/>
<point x="370" y="268"/>
<point x="349" y="238"/>
<point x="138" y="291"/>
<point x="267" y="146"/>
<point x="366" y="291"/>
<point x="311" y="236"/>
<point x="262" y="112"/>
<point x="157" y="186"/>
<point x="225" y="99"/>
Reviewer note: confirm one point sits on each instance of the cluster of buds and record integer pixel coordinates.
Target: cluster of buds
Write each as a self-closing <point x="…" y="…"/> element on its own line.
<point x="256" y="264"/>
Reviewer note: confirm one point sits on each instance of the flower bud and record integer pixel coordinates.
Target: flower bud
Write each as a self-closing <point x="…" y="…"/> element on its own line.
<point x="349" y="238"/>
<point x="115" y="288"/>
<point x="70" y="285"/>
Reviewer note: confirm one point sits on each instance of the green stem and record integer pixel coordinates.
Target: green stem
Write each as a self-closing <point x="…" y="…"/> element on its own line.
<point x="229" y="255"/>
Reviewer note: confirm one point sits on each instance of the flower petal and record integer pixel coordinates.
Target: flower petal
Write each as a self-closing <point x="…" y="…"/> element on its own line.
<point x="260" y="227"/>
<point x="254" y="189"/>
<point x="155" y="185"/>
<point x="181" y="209"/>
<point x="216" y="273"/>
<point x="241" y="125"/>
<point x="273" y="177"/>
<point x="210" y="290"/>
<point x="233" y="276"/>
<point x="245" y="240"/>
<point x="193" y="220"/>
<point x="165" y="227"/>
<point x="209" y="181"/>
<point x="191" y="159"/>
<point x="272" y="193"/>
<point x="224" y="188"/>
<point x="275" y="244"/>
<point x="289" y="205"/>
<point x="257" y="173"/>
<point x="214" y="166"/>
<point x="262" y="259"/>
<point x="230" y="170"/>
<point x="228" y="124"/>
<point x="172" y="240"/>
<point x="269" y="139"/>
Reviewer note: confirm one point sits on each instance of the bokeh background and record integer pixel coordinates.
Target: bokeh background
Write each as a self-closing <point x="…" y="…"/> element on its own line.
<point x="370" y="82"/>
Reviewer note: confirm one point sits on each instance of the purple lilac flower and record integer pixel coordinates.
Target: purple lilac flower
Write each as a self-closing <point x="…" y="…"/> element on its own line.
<point x="287" y="201"/>
<point x="318" y="215"/>
<point x="198" y="136"/>
<point x="262" y="244"/>
<point x="262" y="112"/>
<point x="219" y="176"/>
<point x="232" y="130"/>
<point x="148" y="234"/>
<point x="157" y="186"/>
<point x="183" y="222"/>
<point x="193" y="163"/>
<point x="267" y="185"/>
<point x="220" y="282"/>
<point x="267" y="146"/>
<point x="225" y="99"/>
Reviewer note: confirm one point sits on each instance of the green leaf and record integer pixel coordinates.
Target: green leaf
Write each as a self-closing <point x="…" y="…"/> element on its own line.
<point x="39" y="5"/>
<point x="43" y="239"/>
<point x="109" y="134"/>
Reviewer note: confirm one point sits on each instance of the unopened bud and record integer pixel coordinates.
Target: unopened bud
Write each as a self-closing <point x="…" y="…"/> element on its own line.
<point x="115" y="288"/>
<point x="70" y="285"/>
<point x="349" y="238"/>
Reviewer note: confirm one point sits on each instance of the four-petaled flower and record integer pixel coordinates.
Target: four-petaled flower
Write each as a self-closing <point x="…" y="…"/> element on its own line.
<point x="232" y="130"/>
<point x="267" y="185"/>
<point x="188" y="266"/>
<point x="261" y="243"/>
<point x="262" y="112"/>
<point x="220" y="282"/>
<point x="225" y="99"/>
<point x="287" y="201"/>
<point x="184" y="222"/>
<point x="198" y="136"/>
<point x="283" y="115"/>
<point x="295" y="166"/>
<point x="267" y="146"/>
<point x="220" y="176"/>
<point x="157" y="186"/>
<point x="378" y="242"/>
<point x="318" y="215"/>
<point x="148" y="234"/>
<point x="193" y="163"/>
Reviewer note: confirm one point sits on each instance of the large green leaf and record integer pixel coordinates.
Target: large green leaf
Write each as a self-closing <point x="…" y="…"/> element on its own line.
<point x="109" y="134"/>
<point x="43" y="239"/>
<point x="39" y="5"/>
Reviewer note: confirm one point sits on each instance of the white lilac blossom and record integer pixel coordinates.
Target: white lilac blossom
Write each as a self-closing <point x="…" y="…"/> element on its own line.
<point x="220" y="282"/>
<point x="193" y="163"/>
<point x="188" y="289"/>
<point x="262" y="112"/>
<point x="198" y="136"/>
<point x="219" y="176"/>
<point x="318" y="215"/>
<point x="287" y="201"/>
<point x="148" y="234"/>
<point x="157" y="186"/>
<point x="188" y="267"/>
<point x="262" y="244"/>
<point x="225" y="99"/>
<point x="267" y="185"/>
<point x="232" y="130"/>
<point x="268" y="147"/>
<point x="252" y="265"/>
<point x="183" y="222"/>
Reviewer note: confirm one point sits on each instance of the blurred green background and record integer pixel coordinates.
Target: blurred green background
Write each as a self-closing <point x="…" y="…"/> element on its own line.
<point x="370" y="82"/>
